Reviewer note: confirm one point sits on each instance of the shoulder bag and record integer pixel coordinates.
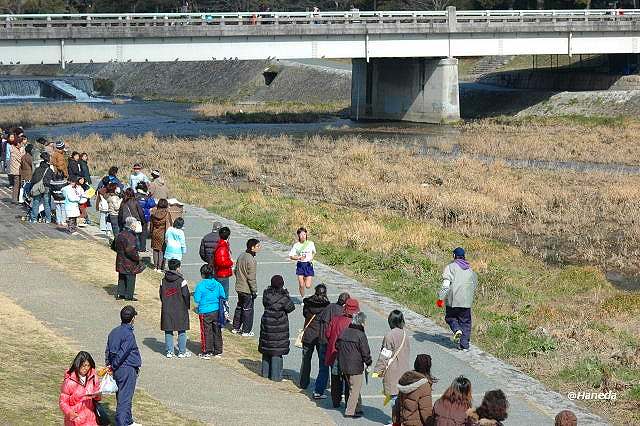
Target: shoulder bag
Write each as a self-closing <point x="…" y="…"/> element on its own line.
<point x="395" y="355"/>
<point x="138" y="229"/>
<point x="298" y="343"/>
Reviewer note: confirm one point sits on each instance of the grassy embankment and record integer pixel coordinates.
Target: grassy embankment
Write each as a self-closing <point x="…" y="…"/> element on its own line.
<point x="270" y="112"/>
<point x="390" y="217"/>
<point x="32" y="372"/>
<point x="29" y="115"/>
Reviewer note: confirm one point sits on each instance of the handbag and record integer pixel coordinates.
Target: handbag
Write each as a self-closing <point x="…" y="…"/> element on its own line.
<point x="38" y="188"/>
<point x="298" y="343"/>
<point x="138" y="228"/>
<point x="395" y="355"/>
<point x="102" y="417"/>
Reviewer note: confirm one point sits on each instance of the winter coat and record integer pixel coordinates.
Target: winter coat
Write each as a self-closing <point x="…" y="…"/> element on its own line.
<point x="458" y="286"/>
<point x="353" y="350"/>
<point x="312" y="308"/>
<point x="413" y="406"/>
<point x="175" y="244"/>
<point x="146" y="203"/>
<point x="328" y="313"/>
<point x="246" y="274"/>
<point x="274" y="325"/>
<point x="122" y="348"/>
<point x="207" y="296"/>
<point x="110" y="179"/>
<point x="208" y="246"/>
<point x="447" y="414"/>
<point x="475" y="419"/>
<point x="222" y="262"/>
<point x="114" y="202"/>
<point x="59" y="162"/>
<point x="127" y="257"/>
<point x="160" y="222"/>
<point x="42" y="172"/>
<point x="16" y="154"/>
<point x="26" y="167"/>
<point x="390" y="346"/>
<point x="337" y="325"/>
<point x="72" y="198"/>
<point x="131" y="208"/>
<point x="74" y="170"/>
<point x="56" y="184"/>
<point x="176" y="300"/>
<point x="84" y="168"/>
<point x="72" y="400"/>
<point x="158" y="189"/>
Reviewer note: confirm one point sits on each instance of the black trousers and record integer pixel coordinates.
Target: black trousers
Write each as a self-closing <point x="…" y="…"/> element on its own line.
<point x="339" y="385"/>
<point x="126" y="285"/>
<point x="243" y="316"/>
<point x="210" y="334"/>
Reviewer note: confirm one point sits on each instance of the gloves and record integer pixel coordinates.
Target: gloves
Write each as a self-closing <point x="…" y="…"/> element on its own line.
<point x="440" y="303"/>
<point x="253" y="296"/>
<point x="375" y="375"/>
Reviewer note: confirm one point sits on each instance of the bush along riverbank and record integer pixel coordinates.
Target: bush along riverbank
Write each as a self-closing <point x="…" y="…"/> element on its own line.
<point x="389" y="217"/>
<point x="271" y="112"/>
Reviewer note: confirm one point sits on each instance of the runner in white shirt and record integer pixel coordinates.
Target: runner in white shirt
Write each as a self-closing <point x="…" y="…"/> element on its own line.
<point x="303" y="252"/>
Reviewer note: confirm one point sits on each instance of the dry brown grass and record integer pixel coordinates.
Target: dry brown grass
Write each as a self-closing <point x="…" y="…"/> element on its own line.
<point x="279" y="112"/>
<point x="28" y="115"/>
<point x="35" y="361"/>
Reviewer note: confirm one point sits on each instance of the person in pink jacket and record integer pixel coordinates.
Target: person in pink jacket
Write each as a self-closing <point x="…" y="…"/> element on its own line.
<point x="78" y="392"/>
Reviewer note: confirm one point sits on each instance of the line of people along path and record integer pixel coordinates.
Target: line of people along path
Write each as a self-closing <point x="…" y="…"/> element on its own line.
<point x="131" y="213"/>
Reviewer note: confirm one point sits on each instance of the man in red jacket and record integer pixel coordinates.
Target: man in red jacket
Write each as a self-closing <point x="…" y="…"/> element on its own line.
<point x="222" y="261"/>
<point x="337" y="325"/>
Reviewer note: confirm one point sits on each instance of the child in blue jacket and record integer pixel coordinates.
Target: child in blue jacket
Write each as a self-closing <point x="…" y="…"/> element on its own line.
<point x="207" y="298"/>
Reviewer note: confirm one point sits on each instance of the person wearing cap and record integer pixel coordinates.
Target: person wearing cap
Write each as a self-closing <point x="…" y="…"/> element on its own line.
<point x="40" y="184"/>
<point x="209" y="243"/>
<point x="128" y="263"/>
<point x="158" y="189"/>
<point x="353" y="355"/>
<point x="59" y="160"/>
<point x="335" y="328"/>
<point x="137" y="176"/>
<point x="122" y="356"/>
<point x="459" y="283"/>
<point x="274" y="328"/>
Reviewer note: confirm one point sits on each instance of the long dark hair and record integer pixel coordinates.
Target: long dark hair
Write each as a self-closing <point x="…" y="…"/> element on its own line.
<point x="321" y="292"/>
<point x="78" y="361"/>
<point x="459" y="393"/>
<point x="494" y="406"/>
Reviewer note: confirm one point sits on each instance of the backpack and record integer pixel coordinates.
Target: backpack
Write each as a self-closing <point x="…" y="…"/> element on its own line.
<point x="38" y="188"/>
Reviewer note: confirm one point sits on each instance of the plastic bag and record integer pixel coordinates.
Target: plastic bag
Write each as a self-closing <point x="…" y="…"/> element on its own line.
<point x="108" y="385"/>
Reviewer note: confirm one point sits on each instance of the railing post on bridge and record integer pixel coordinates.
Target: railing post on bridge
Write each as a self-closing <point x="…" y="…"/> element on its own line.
<point x="451" y="18"/>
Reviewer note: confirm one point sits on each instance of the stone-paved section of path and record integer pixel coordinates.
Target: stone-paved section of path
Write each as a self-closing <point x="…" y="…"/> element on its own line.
<point x="531" y="403"/>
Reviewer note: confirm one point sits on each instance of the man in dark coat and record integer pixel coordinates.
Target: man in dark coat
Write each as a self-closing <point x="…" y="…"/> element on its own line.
<point x="353" y="355"/>
<point x="128" y="263"/>
<point x="312" y="340"/>
<point x="42" y="173"/>
<point x="274" y="328"/>
<point x="209" y="243"/>
<point x="123" y="357"/>
<point x="174" y="316"/>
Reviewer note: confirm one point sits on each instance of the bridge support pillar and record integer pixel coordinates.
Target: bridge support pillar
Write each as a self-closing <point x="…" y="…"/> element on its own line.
<point x="407" y="89"/>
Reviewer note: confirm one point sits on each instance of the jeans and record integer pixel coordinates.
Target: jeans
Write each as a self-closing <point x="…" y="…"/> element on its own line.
<point x="210" y="334"/>
<point x="272" y="367"/>
<point x="182" y="341"/>
<point x="61" y="215"/>
<point x="126" y="285"/>
<point x="225" y="285"/>
<point x="459" y="319"/>
<point x="339" y="385"/>
<point x="243" y="316"/>
<point x="305" y="368"/>
<point x="104" y="222"/>
<point x="35" y="207"/>
<point x="115" y="228"/>
<point x="142" y="238"/>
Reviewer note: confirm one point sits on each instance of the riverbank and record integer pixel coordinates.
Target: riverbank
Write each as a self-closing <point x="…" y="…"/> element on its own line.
<point x="405" y="213"/>
<point x="281" y="112"/>
<point x="29" y="115"/>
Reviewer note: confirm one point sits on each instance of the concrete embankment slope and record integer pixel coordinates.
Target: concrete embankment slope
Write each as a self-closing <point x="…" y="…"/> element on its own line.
<point x="215" y="80"/>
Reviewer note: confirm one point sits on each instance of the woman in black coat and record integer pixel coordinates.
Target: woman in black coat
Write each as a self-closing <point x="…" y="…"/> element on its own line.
<point x="274" y="328"/>
<point x="84" y="167"/>
<point x="73" y="167"/>
<point x="131" y="208"/>
<point x="176" y="300"/>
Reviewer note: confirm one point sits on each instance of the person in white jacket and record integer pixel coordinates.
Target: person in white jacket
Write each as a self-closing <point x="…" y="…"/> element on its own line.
<point x="459" y="283"/>
<point x="73" y="196"/>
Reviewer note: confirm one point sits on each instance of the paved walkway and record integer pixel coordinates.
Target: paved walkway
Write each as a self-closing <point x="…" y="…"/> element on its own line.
<point x="228" y="398"/>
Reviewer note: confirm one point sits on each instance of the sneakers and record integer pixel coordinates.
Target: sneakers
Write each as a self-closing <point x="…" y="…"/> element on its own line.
<point x="170" y="355"/>
<point x="187" y="354"/>
<point x="319" y="396"/>
<point x="135" y="424"/>
<point x="249" y="334"/>
<point x="234" y="331"/>
<point x="456" y="336"/>
<point x="204" y="356"/>
<point x="219" y="356"/>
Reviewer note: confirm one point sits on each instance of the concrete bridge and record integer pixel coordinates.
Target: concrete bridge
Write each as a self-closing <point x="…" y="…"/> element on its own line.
<point x="404" y="64"/>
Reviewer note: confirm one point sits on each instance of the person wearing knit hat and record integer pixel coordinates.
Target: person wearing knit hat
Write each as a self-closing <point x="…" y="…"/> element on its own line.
<point x="158" y="187"/>
<point x="59" y="159"/>
<point x="336" y="326"/>
<point x="459" y="283"/>
<point x="274" y="328"/>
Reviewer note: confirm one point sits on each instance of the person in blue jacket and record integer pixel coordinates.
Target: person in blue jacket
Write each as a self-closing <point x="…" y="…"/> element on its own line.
<point x="207" y="298"/>
<point x="123" y="358"/>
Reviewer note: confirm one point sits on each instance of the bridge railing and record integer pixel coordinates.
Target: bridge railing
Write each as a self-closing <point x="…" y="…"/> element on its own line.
<point x="317" y="18"/>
